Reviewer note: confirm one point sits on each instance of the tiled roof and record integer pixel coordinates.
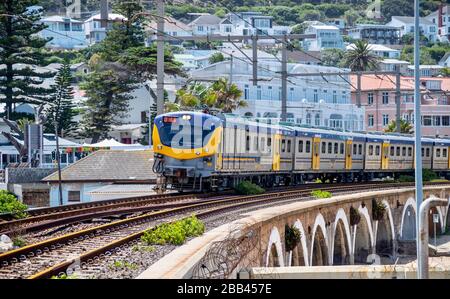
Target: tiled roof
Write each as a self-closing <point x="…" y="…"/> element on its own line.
<point x="385" y="82"/>
<point x="206" y="20"/>
<point x="109" y="166"/>
<point x="410" y="20"/>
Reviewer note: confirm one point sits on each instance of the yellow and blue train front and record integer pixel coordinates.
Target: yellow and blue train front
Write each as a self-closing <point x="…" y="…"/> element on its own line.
<point x="186" y="146"/>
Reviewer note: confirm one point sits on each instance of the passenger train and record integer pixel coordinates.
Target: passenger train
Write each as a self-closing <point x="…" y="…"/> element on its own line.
<point x="201" y="152"/>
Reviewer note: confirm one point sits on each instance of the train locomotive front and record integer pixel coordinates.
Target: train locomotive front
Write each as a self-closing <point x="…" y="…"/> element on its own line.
<point x="186" y="146"/>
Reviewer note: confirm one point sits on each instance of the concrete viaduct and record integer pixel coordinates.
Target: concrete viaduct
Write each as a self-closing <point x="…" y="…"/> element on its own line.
<point x="340" y="230"/>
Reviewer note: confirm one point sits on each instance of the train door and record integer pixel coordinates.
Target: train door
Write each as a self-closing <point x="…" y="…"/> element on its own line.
<point x="276" y="152"/>
<point x="448" y="159"/>
<point x="316" y="153"/>
<point x="348" y="154"/>
<point x="385" y="155"/>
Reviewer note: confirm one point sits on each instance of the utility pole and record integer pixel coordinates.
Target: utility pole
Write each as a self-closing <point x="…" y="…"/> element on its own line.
<point x="284" y="79"/>
<point x="231" y="69"/>
<point x="358" y="91"/>
<point x="103" y="13"/>
<point x="255" y="59"/>
<point x="418" y="141"/>
<point x="397" y="99"/>
<point x="160" y="59"/>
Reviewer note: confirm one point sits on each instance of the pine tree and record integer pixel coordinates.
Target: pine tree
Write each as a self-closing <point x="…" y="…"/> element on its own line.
<point x="108" y="93"/>
<point x="120" y="62"/>
<point x="62" y="108"/>
<point x="19" y="44"/>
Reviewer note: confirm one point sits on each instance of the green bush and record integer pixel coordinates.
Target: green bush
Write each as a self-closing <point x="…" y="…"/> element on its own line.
<point x="428" y="175"/>
<point x="65" y="276"/>
<point x="405" y="179"/>
<point x="248" y="188"/>
<point x="10" y="204"/>
<point x="321" y="194"/>
<point x="19" y="241"/>
<point x="292" y="237"/>
<point x="174" y="233"/>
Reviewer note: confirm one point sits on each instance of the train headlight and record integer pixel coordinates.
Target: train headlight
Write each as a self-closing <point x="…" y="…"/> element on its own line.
<point x="159" y="146"/>
<point x="197" y="153"/>
<point x="206" y="149"/>
<point x="186" y="117"/>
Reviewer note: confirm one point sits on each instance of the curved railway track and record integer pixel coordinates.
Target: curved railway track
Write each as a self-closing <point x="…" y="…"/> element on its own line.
<point x="55" y="255"/>
<point x="45" y="218"/>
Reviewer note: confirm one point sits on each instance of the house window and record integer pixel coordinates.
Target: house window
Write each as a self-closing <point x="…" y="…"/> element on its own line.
<point x="74" y="196"/>
<point x="436" y="121"/>
<point x="385" y="97"/>
<point x="269" y="92"/>
<point x="317" y="119"/>
<point x="427" y="121"/>
<point x="246" y="92"/>
<point x="316" y="96"/>
<point x="385" y="119"/>
<point x="334" y="97"/>
<point x="308" y="118"/>
<point x="258" y="92"/>
<point x="199" y="28"/>
<point x="370" y="120"/>
<point x="370" y="98"/>
<point x="291" y="94"/>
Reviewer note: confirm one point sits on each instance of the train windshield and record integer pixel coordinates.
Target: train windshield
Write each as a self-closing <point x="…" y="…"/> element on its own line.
<point x="184" y="135"/>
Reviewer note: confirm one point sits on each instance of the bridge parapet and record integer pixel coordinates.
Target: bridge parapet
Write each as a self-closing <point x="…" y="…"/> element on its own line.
<point x="341" y="230"/>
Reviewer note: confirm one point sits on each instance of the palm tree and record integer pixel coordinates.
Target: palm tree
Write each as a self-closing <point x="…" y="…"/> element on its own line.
<point x="220" y="96"/>
<point x="405" y="127"/>
<point x="360" y="58"/>
<point x="228" y="96"/>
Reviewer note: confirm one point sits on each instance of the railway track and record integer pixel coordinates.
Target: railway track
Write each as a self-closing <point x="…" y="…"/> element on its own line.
<point x="45" y="218"/>
<point x="55" y="255"/>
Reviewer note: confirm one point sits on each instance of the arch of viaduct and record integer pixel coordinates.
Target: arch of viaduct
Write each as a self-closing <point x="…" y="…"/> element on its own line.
<point x="330" y="237"/>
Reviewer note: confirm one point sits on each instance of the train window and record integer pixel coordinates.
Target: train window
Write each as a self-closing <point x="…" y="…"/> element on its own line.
<point x="336" y="147"/>
<point x="398" y="151"/>
<point x="370" y="150"/>
<point x="263" y="143"/>
<point x="308" y="146"/>
<point x="289" y="146"/>
<point x="392" y="151"/>
<point x="324" y="147"/>
<point x="377" y="150"/>
<point x="444" y="153"/>
<point x="247" y="143"/>
<point x="300" y="146"/>
<point x="359" y="149"/>
<point x="409" y="151"/>
<point x="354" y="149"/>
<point x="404" y="151"/>
<point x="330" y="147"/>
<point x="342" y="149"/>
<point x="423" y="152"/>
<point x="438" y="153"/>
<point x="269" y="142"/>
<point x="283" y="145"/>
<point x="428" y="151"/>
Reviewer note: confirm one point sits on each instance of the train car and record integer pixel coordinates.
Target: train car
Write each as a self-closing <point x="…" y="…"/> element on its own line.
<point x="196" y="151"/>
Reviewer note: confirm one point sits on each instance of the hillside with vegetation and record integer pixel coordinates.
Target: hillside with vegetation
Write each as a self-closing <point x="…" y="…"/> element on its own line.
<point x="285" y="12"/>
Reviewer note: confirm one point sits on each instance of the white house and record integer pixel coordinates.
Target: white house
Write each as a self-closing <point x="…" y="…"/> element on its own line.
<point x="172" y="27"/>
<point x="311" y="100"/>
<point x="406" y="25"/>
<point x="426" y="70"/>
<point x="327" y="37"/>
<point x="376" y="33"/>
<point x="101" y="168"/>
<point x="441" y="18"/>
<point x="380" y="51"/>
<point x="94" y="32"/>
<point x="391" y="65"/>
<point x="66" y="33"/>
<point x="205" y="24"/>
